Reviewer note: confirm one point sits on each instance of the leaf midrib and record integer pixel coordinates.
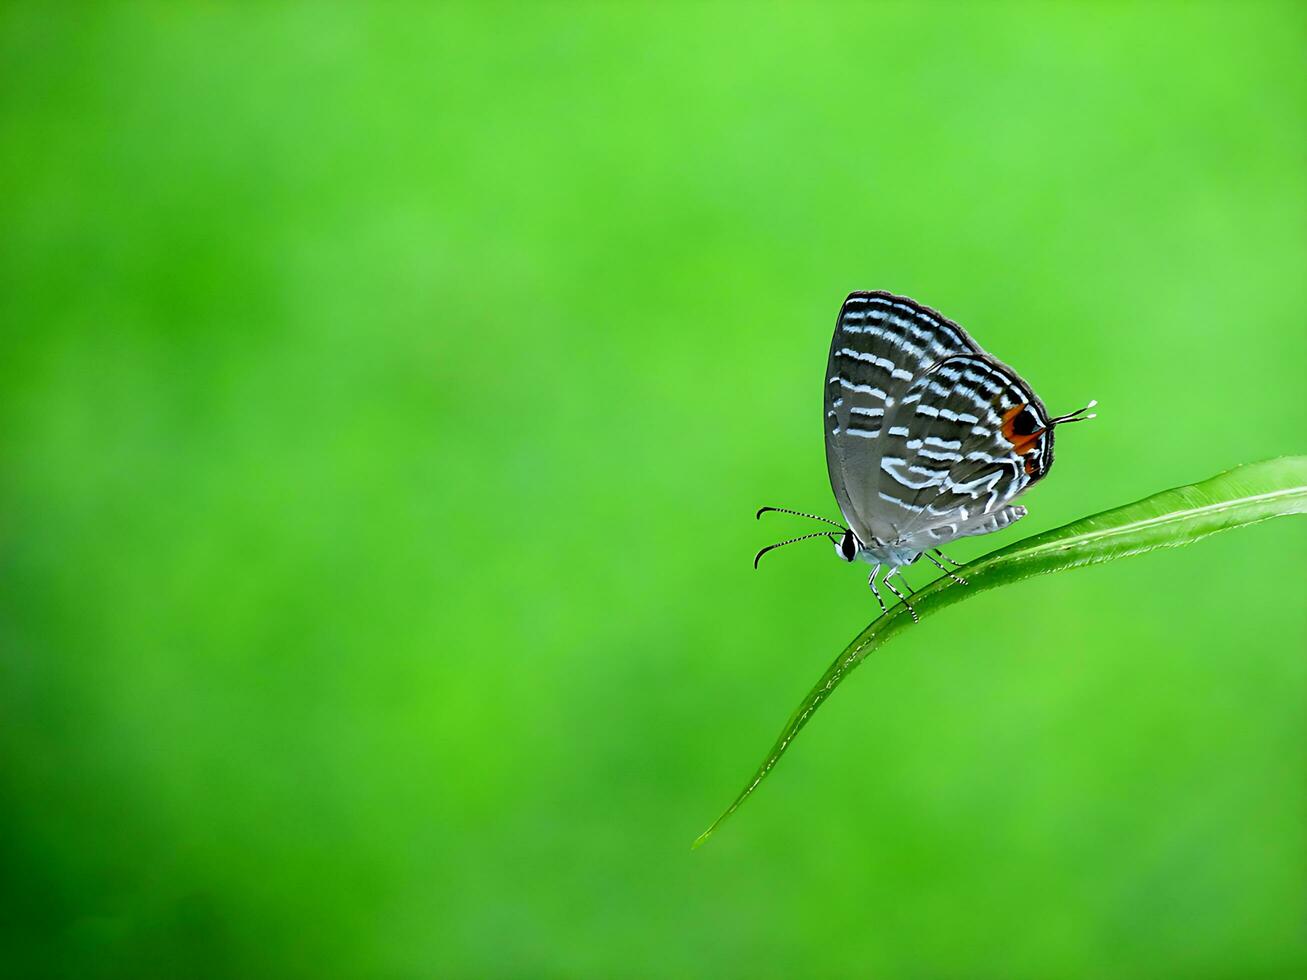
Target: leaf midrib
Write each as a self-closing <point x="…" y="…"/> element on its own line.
<point x="1174" y="516"/>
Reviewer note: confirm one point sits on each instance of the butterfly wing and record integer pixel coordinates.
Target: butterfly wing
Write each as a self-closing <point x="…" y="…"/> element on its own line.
<point x="882" y="344"/>
<point x="966" y="439"/>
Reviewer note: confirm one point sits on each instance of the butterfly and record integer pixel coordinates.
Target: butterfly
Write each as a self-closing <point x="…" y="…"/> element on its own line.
<point x="928" y="438"/>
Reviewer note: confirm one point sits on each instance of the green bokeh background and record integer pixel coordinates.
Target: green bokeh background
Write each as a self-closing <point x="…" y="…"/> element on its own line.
<point x="386" y="397"/>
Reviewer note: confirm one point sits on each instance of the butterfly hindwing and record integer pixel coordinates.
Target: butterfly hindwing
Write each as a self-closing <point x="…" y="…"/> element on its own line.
<point x="966" y="439"/>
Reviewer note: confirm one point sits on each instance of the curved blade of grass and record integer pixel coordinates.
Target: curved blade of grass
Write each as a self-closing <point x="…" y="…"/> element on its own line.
<point x="1244" y="495"/>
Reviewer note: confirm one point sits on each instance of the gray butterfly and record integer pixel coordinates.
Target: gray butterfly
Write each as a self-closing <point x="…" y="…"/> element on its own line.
<point x="928" y="438"/>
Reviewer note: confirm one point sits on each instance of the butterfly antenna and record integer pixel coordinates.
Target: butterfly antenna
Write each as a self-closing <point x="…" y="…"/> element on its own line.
<point x="782" y="544"/>
<point x="1077" y="416"/>
<point x="797" y="513"/>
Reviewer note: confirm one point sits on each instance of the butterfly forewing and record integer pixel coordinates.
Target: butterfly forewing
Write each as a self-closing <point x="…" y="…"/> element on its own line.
<point x="883" y="344"/>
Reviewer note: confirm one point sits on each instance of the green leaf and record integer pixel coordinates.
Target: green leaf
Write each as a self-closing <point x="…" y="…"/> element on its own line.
<point x="1244" y="495"/>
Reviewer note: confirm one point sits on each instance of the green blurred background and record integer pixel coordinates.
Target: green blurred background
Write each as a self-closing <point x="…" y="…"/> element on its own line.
<point x="386" y="398"/>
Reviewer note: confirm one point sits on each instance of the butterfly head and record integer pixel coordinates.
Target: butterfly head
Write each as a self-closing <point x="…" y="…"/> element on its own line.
<point x="846" y="542"/>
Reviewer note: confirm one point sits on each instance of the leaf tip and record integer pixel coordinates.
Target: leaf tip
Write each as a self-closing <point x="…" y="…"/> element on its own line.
<point x="703" y="838"/>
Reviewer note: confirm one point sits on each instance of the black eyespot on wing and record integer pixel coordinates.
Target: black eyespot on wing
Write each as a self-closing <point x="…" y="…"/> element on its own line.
<point x="1027" y="423"/>
<point x="1036" y="465"/>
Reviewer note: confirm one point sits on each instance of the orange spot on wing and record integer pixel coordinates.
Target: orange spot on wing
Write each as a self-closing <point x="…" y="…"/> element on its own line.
<point x="1021" y="445"/>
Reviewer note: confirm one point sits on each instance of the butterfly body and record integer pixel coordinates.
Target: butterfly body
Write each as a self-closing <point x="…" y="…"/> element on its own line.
<point x="883" y="553"/>
<point x="929" y="438"/>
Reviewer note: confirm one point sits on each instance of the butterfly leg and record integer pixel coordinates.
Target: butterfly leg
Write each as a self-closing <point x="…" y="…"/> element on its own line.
<point x="956" y="578"/>
<point x="903" y="581"/>
<point x="951" y="561"/>
<point x="890" y="585"/>
<point x="874" y="591"/>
